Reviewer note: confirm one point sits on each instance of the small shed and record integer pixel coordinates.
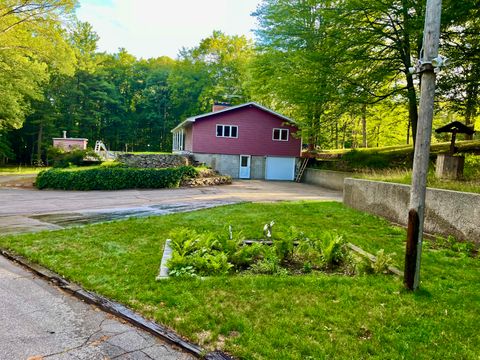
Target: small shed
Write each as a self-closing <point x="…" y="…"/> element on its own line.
<point x="69" y="144"/>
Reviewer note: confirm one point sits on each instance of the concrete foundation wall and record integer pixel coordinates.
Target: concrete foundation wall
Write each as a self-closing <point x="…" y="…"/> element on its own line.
<point x="325" y="178"/>
<point x="230" y="164"/>
<point x="447" y="212"/>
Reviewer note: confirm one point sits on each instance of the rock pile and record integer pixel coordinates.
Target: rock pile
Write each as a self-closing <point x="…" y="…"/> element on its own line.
<point x="153" y="160"/>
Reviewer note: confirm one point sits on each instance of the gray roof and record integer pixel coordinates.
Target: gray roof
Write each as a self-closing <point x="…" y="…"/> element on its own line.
<point x="192" y="119"/>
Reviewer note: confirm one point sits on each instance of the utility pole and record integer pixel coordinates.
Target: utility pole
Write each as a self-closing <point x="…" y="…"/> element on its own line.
<point x="428" y="62"/>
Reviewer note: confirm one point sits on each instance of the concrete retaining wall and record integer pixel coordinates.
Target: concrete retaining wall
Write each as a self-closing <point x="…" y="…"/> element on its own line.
<point x="325" y="178"/>
<point x="230" y="164"/>
<point x="447" y="212"/>
<point x="153" y="160"/>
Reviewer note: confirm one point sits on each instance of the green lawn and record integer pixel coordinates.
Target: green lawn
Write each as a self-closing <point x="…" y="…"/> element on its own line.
<point x="20" y="170"/>
<point x="272" y="317"/>
<point x="463" y="146"/>
<point x="405" y="177"/>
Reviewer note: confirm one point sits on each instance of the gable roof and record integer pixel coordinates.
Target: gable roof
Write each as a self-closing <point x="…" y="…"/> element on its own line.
<point x="456" y="126"/>
<point x="192" y="119"/>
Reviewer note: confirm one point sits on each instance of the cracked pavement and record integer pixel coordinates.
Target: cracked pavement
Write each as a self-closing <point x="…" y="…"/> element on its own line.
<point x="40" y="321"/>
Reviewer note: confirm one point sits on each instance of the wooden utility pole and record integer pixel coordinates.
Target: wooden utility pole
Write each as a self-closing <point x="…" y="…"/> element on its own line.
<point x="431" y="35"/>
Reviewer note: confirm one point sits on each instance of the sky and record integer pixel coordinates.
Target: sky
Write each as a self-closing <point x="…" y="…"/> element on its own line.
<point x="153" y="28"/>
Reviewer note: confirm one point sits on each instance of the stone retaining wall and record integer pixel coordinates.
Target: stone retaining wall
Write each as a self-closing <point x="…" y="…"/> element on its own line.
<point x="153" y="160"/>
<point x="447" y="212"/>
<point x="325" y="178"/>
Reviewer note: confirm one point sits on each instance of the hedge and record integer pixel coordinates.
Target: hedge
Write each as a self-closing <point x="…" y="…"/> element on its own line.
<point x="113" y="178"/>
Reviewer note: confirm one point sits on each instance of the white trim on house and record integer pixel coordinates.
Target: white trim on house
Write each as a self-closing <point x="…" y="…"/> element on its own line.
<point x="223" y="131"/>
<point x="281" y="130"/>
<point x="178" y="140"/>
<point x="70" y="139"/>
<point x="194" y="118"/>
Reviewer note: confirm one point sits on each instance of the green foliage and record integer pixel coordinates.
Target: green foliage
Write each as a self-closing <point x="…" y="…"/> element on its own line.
<point x="213" y="254"/>
<point x="33" y="48"/>
<point x="380" y="266"/>
<point x="59" y="158"/>
<point x="113" y="178"/>
<point x="329" y="251"/>
<point x="465" y="248"/>
<point x="201" y="254"/>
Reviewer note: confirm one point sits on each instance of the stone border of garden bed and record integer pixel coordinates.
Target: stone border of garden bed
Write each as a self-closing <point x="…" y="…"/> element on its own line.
<point x="116" y="309"/>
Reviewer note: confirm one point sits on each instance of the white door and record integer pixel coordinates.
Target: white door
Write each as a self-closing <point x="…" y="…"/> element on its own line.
<point x="244" y="167"/>
<point x="280" y="168"/>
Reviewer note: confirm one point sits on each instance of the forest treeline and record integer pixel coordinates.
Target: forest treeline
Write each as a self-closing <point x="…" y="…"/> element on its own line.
<point x="340" y="68"/>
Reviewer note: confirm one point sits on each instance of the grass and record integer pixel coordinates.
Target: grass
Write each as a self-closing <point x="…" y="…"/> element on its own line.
<point x="471" y="182"/>
<point x="463" y="146"/>
<point x="405" y="177"/>
<point x="20" y="170"/>
<point x="268" y="317"/>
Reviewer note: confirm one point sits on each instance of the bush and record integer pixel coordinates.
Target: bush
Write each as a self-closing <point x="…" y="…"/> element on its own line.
<point x="59" y="158"/>
<point x="113" y="178"/>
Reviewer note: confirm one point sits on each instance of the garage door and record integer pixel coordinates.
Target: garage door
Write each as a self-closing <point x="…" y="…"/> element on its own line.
<point x="280" y="168"/>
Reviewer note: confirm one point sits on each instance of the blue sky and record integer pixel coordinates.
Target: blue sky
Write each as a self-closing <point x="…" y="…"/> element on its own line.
<point x="152" y="28"/>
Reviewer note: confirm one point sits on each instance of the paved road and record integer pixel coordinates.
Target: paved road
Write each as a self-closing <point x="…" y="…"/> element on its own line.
<point x="39" y="321"/>
<point x="27" y="210"/>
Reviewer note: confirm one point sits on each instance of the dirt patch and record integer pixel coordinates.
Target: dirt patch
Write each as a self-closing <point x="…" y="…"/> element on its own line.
<point x="17" y="181"/>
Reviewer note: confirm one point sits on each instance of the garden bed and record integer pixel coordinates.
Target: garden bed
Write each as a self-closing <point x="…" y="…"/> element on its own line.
<point x="270" y="317"/>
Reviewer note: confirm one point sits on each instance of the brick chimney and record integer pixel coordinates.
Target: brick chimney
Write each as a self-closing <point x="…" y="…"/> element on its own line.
<point x="217" y="106"/>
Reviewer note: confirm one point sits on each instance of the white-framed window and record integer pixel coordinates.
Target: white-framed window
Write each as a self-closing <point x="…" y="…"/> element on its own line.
<point x="227" y="131"/>
<point x="280" y="134"/>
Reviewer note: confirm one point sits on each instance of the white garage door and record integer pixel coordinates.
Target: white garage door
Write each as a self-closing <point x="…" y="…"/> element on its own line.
<point x="280" y="168"/>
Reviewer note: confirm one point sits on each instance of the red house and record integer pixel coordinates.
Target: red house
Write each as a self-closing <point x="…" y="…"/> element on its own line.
<point x="246" y="141"/>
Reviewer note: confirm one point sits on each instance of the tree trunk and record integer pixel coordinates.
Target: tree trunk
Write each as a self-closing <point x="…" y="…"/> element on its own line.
<point x="39" y="143"/>
<point x="364" y="125"/>
<point x="336" y="134"/>
<point x="470" y="108"/>
<point x="412" y="106"/>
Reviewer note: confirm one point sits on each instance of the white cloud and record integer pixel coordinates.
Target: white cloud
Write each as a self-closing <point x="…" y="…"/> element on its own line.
<point x="152" y="28"/>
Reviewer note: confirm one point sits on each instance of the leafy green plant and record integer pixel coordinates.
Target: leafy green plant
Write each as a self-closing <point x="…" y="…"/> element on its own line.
<point x="187" y="271"/>
<point x="380" y="266"/>
<point x="334" y="250"/>
<point x="202" y="252"/>
<point x="269" y="265"/>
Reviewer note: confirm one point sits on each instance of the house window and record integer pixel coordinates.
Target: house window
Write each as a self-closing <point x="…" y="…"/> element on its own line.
<point x="229" y="131"/>
<point x="280" y="134"/>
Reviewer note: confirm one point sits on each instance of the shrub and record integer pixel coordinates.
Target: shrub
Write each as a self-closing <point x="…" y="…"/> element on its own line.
<point x="113" y="178"/>
<point x="59" y="158"/>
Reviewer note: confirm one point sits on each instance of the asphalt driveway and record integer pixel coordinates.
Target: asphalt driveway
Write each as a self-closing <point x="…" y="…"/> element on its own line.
<point x="28" y="210"/>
